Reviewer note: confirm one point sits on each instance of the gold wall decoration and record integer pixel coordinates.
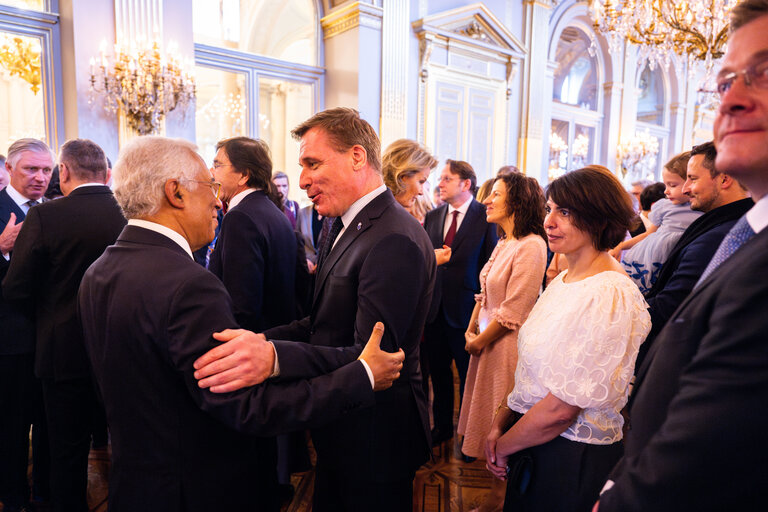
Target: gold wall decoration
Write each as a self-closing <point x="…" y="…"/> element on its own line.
<point x="21" y="57"/>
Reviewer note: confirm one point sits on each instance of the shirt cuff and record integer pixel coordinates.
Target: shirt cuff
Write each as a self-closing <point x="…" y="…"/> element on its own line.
<point x="276" y="367"/>
<point x="368" y="371"/>
<point x="7" y="256"/>
<point x="607" y="486"/>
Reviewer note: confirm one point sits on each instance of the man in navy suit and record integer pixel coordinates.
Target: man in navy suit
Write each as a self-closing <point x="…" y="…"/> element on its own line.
<point x="698" y="432"/>
<point x="723" y="201"/>
<point x="459" y="223"/>
<point x="58" y="242"/>
<point x="377" y="264"/>
<point x="30" y="165"/>
<point x="149" y="311"/>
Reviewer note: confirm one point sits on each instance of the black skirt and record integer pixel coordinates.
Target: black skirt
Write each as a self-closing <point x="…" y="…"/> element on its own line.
<point x="565" y="476"/>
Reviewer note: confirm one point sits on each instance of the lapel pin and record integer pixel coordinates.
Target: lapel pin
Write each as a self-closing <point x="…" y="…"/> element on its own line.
<point x="359" y="226"/>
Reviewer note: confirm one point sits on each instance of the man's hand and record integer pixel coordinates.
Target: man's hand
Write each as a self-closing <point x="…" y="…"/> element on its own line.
<point x="9" y="234"/>
<point x="384" y="365"/>
<point x="443" y="255"/>
<point x="245" y="359"/>
<point x="499" y="471"/>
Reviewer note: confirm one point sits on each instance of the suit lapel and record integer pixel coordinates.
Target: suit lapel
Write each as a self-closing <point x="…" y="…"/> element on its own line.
<point x="466" y="226"/>
<point x="436" y="229"/>
<point x="357" y="227"/>
<point x="8" y="206"/>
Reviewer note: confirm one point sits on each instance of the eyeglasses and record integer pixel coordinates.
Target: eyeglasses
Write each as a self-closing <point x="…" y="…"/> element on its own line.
<point x="447" y="179"/>
<point x="216" y="165"/>
<point x="215" y="185"/>
<point x="756" y="74"/>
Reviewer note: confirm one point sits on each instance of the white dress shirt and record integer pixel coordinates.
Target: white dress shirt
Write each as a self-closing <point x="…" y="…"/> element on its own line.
<point x="449" y="217"/>
<point x="163" y="230"/>
<point x="757" y="216"/>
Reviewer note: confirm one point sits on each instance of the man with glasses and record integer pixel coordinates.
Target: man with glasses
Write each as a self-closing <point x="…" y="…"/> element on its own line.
<point x="697" y="437"/>
<point x="459" y="223"/>
<point x="148" y="311"/>
<point x="57" y="243"/>
<point x="29" y="164"/>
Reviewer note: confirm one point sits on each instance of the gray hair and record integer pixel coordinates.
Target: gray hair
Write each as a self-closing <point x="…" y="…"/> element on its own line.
<point x="143" y="167"/>
<point x="22" y="145"/>
<point x="642" y="183"/>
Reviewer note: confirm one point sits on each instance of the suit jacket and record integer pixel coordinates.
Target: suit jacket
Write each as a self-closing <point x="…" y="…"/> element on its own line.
<point x="697" y="434"/>
<point x="17" y="335"/>
<point x="148" y="311"/>
<point x="686" y="263"/>
<point x="255" y="258"/>
<point x="382" y="268"/>
<point x="57" y="243"/>
<point x="459" y="280"/>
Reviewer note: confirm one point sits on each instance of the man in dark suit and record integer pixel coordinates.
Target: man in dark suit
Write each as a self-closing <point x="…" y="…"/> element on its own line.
<point x="254" y="254"/>
<point x="697" y="434"/>
<point x="29" y="164"/>
<point x="459" y="223"/>
<point x="59" y="241"/>
<point x="148" y="311"/>
<point x="723" y="201"/>
<point x="377" y="264"/>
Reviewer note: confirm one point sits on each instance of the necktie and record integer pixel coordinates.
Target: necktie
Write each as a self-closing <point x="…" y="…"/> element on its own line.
<point x="328" y="243"/>
<point x="32" y="202"/>
<point x="736" y="237"/>
<point x="451" y="229"/>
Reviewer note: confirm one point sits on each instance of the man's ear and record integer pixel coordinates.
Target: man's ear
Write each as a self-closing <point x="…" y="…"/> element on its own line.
<point x="726" y="181"/>
<point x="64" y="174"/>
<point x="359" y="157"/>
<point x="174" y="193"/>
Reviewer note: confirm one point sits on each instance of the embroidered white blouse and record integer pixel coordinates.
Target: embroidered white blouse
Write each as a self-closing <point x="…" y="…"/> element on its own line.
<point x="580" y="343"/>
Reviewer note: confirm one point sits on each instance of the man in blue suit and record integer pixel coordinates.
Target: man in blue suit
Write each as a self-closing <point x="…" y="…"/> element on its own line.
<point x="30" y="165"/>
<point x="460" y="224"/>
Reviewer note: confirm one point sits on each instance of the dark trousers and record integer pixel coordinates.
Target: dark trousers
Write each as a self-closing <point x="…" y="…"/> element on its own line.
<point x="339" y="491"/>
<point x="566" y="476"/>
<point x="21" y="406"/>
<point x="445" y="344"/>
<point x="69" y="405"/>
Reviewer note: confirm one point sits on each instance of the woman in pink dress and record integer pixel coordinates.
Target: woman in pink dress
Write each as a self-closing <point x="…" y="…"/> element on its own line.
<point x="510" y="283"/>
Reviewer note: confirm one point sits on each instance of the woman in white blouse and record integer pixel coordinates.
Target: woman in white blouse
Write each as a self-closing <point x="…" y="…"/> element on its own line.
<point x="559" y="432"/>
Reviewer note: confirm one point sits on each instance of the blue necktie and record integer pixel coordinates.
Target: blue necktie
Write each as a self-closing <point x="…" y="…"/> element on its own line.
<point x="736" y="237"/>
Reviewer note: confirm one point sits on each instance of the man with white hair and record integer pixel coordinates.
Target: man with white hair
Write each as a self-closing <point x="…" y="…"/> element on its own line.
<point x="29" y="164"/>
<point x="148" y="311"/>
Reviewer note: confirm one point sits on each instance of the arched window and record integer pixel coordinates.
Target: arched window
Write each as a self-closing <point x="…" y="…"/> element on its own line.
<point x="651" y="113"/>
<point x="259" y="74"/>
<point x="575" y="109"/>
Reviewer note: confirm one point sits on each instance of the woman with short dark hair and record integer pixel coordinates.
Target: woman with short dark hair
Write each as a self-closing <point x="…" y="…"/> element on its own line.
<point x="558" y="434"/>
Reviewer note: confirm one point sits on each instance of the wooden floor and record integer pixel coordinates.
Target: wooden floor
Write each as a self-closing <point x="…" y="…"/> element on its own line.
<point x="446" y="484"/>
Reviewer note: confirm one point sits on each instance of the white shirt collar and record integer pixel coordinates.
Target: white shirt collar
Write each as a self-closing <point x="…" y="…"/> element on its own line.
<point x="463" y="208"/>
<point x="239" y="197"/>
<point x="93" y="184"/>
<point x="757" y="216"/>
<point x="163" y="230"/>
<point x="19" y="199"/>
<point x="358" y="205"/>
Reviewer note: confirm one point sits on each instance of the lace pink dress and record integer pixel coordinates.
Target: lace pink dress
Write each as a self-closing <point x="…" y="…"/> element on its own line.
<point x="510" y="282"/>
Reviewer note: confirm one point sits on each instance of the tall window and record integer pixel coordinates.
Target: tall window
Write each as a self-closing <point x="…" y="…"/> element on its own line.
<point x="651" y="113"/>
<point x="258" y="74"/>
<point x="28" y="100"/>
<point x="575" y="110"/>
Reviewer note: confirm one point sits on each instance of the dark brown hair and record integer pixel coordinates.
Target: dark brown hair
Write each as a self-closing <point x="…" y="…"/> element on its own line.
<point x="746" y="11"/>
<point x="345" y="128"/>
<point x="85" y="159"/>
<point x="710" y="153"/>
<point x="678" y="164"/>
<point x="250" y="157"/>
<point x="598" y="203"/>
<point x="464" y="171"/>
<point x="525" y="200"/>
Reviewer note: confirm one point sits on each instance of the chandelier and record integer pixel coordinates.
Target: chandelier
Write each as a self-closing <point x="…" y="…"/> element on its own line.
<point x="696" y="30"/>
<point x="21" y="57"/>
<point x="143" y="83"/>
<point x="637" y="156"/>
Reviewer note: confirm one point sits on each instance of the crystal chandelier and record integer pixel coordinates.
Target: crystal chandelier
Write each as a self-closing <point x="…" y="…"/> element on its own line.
<point x="696" y="30"/>
<point x="21" y="57"/>
<point x="142" y="82"/>
<point x="637" y="156"/>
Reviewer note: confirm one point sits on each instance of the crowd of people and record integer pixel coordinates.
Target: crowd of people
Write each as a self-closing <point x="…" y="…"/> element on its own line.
<point x="610" y="353"/>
